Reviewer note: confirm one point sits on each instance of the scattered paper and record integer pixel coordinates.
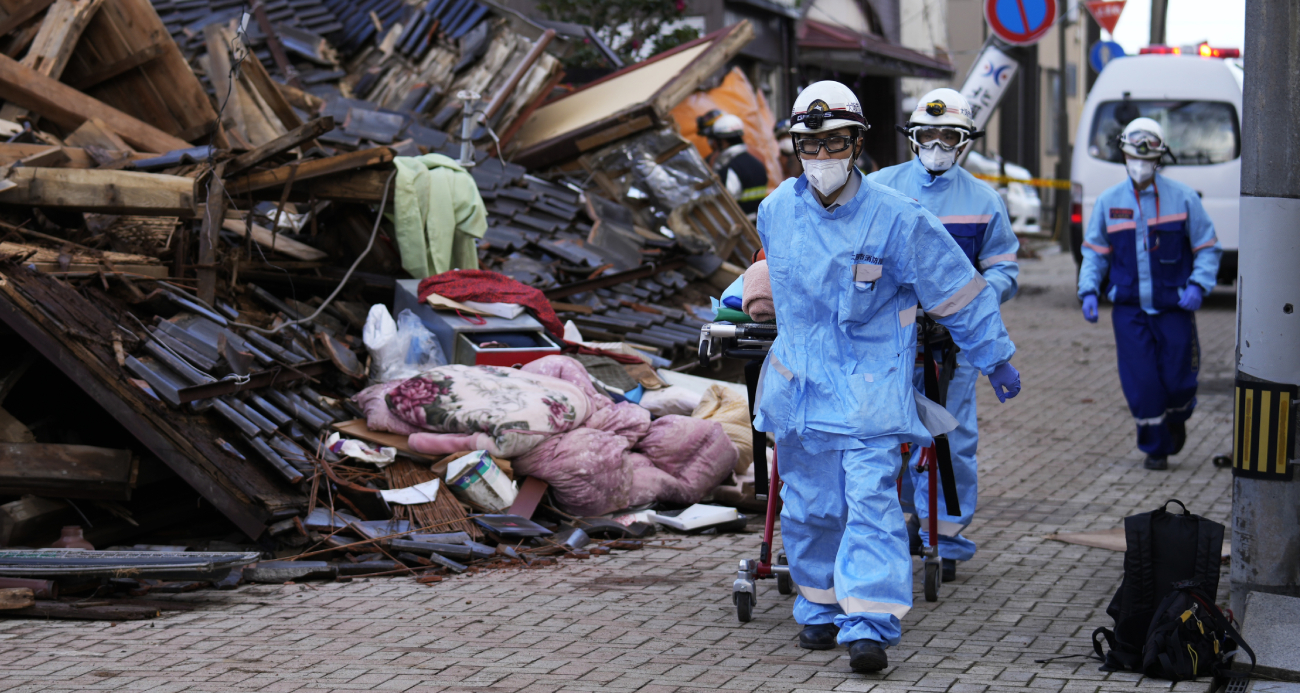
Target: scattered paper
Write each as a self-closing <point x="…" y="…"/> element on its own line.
<point x="379" y="456"/>
<point x="413" y="495"/>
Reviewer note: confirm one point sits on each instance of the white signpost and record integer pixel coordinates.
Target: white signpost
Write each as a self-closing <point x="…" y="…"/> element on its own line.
<point x="988" y="78"/>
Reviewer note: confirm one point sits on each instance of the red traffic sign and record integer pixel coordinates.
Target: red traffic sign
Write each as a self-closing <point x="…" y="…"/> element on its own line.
<point x="1020" y="22"/>
<point x="1106" y="12"/>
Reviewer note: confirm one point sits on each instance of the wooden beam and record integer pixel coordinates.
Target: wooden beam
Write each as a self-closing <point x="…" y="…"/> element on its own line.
<point x="365" y="187"/>
<point x="214" y="213"/>
<point x="110" y="192"/>
<point x="21" y="15"/>
<point x="307" y="170"/>
<point x="256" y="74"/>
<point x="11" y="153"/>
<point x="279" y="145"/>
<point x="279" y="243"/>
<point x="66" y="471"/>
<point x="69" y="108"/>
<point x="52" y="156"/>
<point x="16" y="598"/>
<point x="54" y="43"/>
<point x="108" y="71"/>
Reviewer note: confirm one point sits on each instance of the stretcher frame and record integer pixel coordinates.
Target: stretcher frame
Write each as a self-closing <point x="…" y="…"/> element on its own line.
<point x="751" y="342"/>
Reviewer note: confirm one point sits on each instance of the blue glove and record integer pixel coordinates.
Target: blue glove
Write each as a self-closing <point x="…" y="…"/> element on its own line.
<point x="1090" y="307"/>
<point x="1005" y="380"/>
<point x="1191" y="300"/>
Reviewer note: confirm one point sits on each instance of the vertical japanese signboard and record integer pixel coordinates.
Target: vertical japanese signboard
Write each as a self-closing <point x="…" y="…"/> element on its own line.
<point x="986" y="82"/>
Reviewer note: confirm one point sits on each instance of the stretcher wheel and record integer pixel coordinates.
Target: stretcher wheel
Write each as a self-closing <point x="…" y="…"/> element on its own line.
<point x="744" y="606"/>
<point x="932" y="581"/>
<point x="783" y="583"/>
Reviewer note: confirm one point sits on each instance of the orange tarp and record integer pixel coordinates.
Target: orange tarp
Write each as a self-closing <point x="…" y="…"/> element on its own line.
<point x="737" y="97"/>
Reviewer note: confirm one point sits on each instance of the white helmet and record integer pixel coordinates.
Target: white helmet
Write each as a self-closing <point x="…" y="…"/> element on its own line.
<point x="727" y="127"/>
<point x="824" y="106"/>
<point x="1143" y="138"/>
<point x="943" y="107"/>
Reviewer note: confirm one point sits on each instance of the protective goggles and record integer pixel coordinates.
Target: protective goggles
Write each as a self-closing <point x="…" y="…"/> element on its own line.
<point x="1142" y="143"/>
<point x="946" y="139"/>
<point x="811" y="145"/>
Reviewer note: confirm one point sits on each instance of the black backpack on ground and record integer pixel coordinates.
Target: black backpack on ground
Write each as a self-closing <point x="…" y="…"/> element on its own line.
<point x="1166" y="623"/>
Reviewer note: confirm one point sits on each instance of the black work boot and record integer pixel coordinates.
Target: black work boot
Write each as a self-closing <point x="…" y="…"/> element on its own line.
<point x="949" y="569"/>
<point x="818" y="636"/>
<point x="914" y="534"/>
<point x="1178" y="431"/>
<point x="1156" y="463"/>
<point x="867" y="656"/>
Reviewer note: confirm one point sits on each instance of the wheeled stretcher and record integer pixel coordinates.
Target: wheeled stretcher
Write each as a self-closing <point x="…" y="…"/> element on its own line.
<point x="751" y="342"/>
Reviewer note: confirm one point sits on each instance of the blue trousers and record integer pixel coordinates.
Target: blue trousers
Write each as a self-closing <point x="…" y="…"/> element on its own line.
<point x="843" y="532"/>
<point x="962" y="441"/>
<point x="1159" y="358"/>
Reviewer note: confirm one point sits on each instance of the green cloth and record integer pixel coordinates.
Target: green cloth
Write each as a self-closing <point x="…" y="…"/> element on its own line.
<point x="733" y="315"/>
<point x="438" y="215"/>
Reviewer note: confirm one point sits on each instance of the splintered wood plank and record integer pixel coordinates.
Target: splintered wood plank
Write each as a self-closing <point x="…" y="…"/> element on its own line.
<point x="162" y="91"/>
<point x="108" y="71"/>
<point x="96" y="133"/>
<point x="53" y="45"/>
<point x="278" y="243"/>
<point x="76" y="156"/>
<point x="279" y="145"/>
<point x="96" y="190"/>
<point x="69" y="108"/>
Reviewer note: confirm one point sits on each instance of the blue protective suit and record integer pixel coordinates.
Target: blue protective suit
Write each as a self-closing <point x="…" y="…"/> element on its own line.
<point x="977" y="218"/>
<point x="836" y="388"/>
<point x="1154" y="245"/>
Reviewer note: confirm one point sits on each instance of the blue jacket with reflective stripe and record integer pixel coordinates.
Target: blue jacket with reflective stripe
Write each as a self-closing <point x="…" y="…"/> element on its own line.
<point x="1152" y="250"/>
<point x="846" y="285"/>
<point x="971" y="210"/>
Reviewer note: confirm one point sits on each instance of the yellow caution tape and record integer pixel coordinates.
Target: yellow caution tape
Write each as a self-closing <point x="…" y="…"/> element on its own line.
<point x="1035" y="182"/>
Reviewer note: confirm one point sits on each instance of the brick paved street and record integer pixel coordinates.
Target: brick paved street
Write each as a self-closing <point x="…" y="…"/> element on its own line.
<point x="1059" y="458"/>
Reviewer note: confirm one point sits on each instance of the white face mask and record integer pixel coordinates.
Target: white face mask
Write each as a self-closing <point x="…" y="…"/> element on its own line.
<point x="936" y="158"/>
<point x="1140" y="170"/>
<point x="827" y="175"/>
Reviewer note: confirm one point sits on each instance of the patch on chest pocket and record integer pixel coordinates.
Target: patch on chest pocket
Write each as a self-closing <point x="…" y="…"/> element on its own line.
<point x="867" y="272"/>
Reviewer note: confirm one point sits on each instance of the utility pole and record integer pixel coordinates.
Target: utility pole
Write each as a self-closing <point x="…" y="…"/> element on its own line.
<point x="1159" y="11"/>
<point x="1063" y="153"/>
<point x="1266" y="491"/>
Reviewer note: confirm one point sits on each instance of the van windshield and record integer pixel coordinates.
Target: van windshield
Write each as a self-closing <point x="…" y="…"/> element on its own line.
<point x="1199" y="132"/>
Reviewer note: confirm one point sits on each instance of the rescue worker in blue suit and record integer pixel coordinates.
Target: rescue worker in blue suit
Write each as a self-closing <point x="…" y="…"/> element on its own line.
<point x="849" y="262"/>
<point x="1158" y="244"/>
<point x="938" y="130"/>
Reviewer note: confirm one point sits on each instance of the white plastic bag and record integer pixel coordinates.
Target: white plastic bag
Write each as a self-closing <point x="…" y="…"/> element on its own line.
<point x="401" y="349"/>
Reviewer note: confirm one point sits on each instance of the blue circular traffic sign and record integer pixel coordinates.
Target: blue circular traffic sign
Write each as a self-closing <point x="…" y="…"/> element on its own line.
<point x="1103" y="52"/>
<point x="1020" y="22"/>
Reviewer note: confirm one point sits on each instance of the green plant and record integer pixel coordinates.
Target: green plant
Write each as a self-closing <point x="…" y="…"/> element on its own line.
<point x="626" y="26"/>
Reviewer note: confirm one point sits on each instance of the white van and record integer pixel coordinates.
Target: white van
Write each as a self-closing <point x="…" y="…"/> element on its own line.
<point x="1197" y="100"/>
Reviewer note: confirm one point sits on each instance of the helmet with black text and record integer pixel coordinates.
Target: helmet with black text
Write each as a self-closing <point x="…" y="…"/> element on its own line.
<point x="820" y="109"/>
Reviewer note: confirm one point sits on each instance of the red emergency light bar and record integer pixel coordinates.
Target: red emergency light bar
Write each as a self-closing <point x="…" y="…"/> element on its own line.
<point x="1204" y="50"/>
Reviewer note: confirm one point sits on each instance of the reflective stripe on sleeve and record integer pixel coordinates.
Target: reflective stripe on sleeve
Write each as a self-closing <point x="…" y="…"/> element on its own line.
<point x="815" y="595"/>
<point x="754" y="193"/>
<point x="959" y="300"/>
<point x="1097" y="249"/>
<point x="853" y="605"/>
<point x="995" y="259"/>
<point x="1205" y="245"/>
<point x="950" y="529"/>
<point x="966" y="219"/>
<point x="1155" y="421"/>
<point x="785" y="372"/>
<point x="907" y="316"/>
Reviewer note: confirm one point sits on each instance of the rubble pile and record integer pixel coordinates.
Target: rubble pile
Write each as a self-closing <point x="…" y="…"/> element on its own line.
<point x="203" y="204"/>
